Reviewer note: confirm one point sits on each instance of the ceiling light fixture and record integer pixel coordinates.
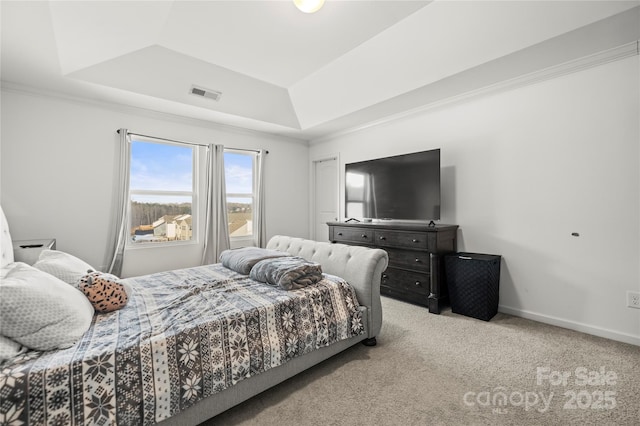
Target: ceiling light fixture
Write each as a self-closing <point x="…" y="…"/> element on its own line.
<point x="308" y="6"/>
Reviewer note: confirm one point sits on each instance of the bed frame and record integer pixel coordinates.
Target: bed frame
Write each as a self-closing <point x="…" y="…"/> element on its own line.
<point x="361" y="267"/>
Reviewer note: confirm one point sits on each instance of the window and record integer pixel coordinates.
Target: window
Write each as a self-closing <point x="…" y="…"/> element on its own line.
<point x="162" y="193"/>
<point x="355" y="194"/>
<point x="239" y="174"/>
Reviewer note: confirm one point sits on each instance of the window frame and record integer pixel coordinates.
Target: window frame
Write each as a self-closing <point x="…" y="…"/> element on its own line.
<point x="194" y="194"/>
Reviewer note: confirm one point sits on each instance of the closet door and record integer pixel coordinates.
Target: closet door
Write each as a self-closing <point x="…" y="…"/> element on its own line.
<point x="325" y="197"/>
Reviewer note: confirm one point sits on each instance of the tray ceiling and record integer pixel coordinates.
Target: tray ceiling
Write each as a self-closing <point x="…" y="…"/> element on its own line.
<point x="279" y="70"/>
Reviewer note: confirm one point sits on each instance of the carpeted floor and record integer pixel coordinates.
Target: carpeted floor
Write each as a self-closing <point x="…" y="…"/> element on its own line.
<point x="449" y="369"/>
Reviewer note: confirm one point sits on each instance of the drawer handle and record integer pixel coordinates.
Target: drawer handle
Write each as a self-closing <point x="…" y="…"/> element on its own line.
<point x="364" y="236"/>
<point x="418" y="260"/>
<point x="415" y="241"/>
<point x="382" y="238"/>
<point x="340" y="233"/>
<point x="418" y="283"/>
<point x="385" y="276"/>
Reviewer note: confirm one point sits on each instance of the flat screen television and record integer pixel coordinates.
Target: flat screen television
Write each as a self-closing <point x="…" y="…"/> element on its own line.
<point x="401" y="187"/>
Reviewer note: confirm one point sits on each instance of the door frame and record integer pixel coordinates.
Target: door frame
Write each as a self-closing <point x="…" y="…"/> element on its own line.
<point x="313" y="214"/>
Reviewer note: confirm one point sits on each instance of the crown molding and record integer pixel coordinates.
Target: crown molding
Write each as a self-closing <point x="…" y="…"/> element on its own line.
<point x="590" y="61"/>
<point x="7" y="86"/>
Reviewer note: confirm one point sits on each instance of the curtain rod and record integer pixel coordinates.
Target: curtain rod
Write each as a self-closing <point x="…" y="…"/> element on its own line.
<point x="187" y="143"/>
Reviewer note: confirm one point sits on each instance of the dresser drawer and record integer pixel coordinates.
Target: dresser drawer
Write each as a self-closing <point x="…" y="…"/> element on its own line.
<point x="402" y="239"/>
<point x="408" y="259"/>
<point x="402" y="280"/>
<point x="352" y="235"/>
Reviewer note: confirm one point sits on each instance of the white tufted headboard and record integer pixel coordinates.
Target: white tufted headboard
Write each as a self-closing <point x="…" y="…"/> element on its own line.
<point x="6" y="245"/>
<point x="360" y="266"/>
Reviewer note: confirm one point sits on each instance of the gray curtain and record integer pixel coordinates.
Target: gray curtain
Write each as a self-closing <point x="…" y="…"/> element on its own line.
<point x="120" y="212"/>
<point x="260" y="233"/>
<point x="216" y="226"/>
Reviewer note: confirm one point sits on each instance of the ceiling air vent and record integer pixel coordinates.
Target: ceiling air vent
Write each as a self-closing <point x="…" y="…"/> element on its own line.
<point x="206" y="93"/>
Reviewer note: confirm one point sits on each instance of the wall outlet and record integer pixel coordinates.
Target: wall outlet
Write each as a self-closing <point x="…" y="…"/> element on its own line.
<point x="633" y="299"/>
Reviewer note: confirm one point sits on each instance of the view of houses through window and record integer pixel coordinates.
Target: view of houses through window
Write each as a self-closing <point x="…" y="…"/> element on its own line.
<point x="162" y="191"/>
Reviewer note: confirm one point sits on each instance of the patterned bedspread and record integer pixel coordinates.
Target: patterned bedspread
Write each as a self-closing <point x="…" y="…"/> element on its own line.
<point x="183" y="336"/>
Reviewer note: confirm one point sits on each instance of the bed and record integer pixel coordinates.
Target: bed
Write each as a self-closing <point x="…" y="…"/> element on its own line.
<point x="192" y="343"/>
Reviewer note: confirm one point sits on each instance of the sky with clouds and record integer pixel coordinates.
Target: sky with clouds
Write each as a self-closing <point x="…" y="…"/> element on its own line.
<point x="158" y="166"/>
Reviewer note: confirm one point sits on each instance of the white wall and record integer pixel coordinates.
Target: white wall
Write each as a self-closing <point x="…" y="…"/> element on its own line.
<point x="58" y="169"/>
<point x="521" y="171"/>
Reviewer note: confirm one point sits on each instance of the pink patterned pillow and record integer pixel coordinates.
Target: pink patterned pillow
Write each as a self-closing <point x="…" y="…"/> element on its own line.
<point x="104" y="292"/>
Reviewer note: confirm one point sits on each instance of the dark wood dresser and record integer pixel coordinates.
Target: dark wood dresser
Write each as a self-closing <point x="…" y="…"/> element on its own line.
<point x="415" y="272"/>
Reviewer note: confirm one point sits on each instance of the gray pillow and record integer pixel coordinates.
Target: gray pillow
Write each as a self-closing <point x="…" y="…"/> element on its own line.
<point x="40" y="311"/>
<point x="242" y="259"/>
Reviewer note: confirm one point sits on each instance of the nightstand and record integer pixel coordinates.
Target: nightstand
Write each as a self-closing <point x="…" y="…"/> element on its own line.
<point x="28" y="251"/>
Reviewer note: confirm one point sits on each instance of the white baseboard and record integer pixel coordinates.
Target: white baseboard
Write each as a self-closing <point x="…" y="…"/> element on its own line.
<point x="572" y="325"/>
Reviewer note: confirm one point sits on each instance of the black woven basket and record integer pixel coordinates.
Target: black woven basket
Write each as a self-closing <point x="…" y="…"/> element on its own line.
<point x="474" y="284"/>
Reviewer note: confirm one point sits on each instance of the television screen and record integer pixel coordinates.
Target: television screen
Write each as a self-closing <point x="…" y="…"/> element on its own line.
<point x="402" y="187"/>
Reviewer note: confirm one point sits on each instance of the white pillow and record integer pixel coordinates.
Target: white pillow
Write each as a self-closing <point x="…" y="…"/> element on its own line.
<point x="9" y="349"/>
<point x="63" y="265"/>
<point x="40" y="311"/>
<point x="6" y="245"/>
